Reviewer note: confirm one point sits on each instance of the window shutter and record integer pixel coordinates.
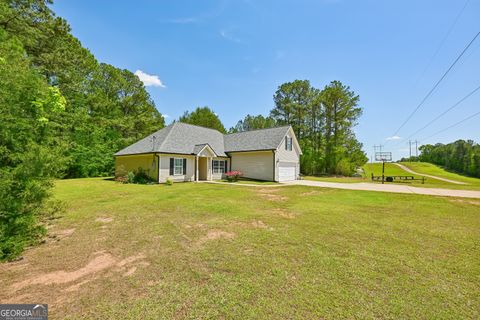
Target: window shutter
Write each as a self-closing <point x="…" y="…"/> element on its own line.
<point x="184" y="166"/>
<point x="226" y="170"/>
<point x="286" y="143"/>
<point x="171" y="166"/>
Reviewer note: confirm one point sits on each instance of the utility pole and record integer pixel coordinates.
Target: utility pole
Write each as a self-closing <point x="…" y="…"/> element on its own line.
<point x="410" y="149"/>
<point x="416" y="149"/>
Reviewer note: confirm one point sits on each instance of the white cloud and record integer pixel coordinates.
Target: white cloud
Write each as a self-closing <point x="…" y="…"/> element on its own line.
<point x="149" y="80"/>
<point x="183" y="20"/>
<point x="228" y="36"/>
<point x="165" y="116"/>
<point x="393" y="138"/>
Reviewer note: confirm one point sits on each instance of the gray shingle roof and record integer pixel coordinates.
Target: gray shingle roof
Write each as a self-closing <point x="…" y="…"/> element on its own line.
<point x="262" y="139"/>
<point x="184" y="138"/>
<point x="199" y="147"/>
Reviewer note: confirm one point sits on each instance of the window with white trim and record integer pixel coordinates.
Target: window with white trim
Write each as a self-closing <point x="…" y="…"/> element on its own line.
<point x="218" y="166"/>
<point x="288" y="143"/>
<point x="178" y="166"/>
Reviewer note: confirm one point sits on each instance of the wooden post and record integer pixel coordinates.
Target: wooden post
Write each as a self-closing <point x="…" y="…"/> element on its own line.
<point x="383" y="172"/>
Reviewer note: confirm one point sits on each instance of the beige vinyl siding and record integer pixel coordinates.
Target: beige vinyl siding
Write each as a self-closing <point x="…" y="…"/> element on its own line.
<point x="287" y="158"/>
<point x="147" y="162"/>
<point x="254" y="165"/>
<point x="165" y="168"/>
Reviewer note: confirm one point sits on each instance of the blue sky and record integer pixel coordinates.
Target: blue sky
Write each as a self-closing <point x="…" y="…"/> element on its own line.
<point x="232" y="55"/>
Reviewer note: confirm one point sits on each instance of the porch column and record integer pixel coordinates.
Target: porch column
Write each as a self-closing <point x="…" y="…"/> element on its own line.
<point x="209" y="167"/>
<point x="196" y="166"/>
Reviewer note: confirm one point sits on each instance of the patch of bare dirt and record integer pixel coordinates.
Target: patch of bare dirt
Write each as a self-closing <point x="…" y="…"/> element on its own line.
<point x="259" y="224"/>
<point x="216" y="235"/>
<point x="310" y="193"/>
<point x="104" y="220"/>
<point x="59" y="235"/>
<point x="76" y="286"/>
<point x="271" y="194"/>
<point x="468" y="201"/>
<point x="130" y="271"/>
<point x="283" y="213"/>
<point x="267" y="190"/>
<point x="275" y="197"/>
<point x="66" y="233"/>
<point x="101" y="261"/>
<point x="131" y="260"/>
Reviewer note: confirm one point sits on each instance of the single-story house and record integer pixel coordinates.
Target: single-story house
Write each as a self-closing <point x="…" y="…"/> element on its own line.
<point x="184" y="152"/>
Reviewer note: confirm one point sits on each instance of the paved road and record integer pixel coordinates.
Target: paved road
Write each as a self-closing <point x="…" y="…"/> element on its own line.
<point x="427" y="175"/>
<point x="389" y="188"/>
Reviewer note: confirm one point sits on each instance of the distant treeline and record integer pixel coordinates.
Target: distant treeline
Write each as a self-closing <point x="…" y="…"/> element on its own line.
<point x="460" y="156"/>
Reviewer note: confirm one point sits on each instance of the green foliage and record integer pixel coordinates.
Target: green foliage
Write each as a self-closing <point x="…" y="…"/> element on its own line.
<point x="252" y="123"/>
<point x="204" y="117"/>
<point x="61" y="114"/>
<point x="142" y="177"/>
<point x="106" y="108"/>
<point x="169" y="182"/>
<point x="460" y="156"/>
<point x="139" y="176"/>
<point x="130" y="177"/>
<point x="28" y="147"/>
<point x="323" y="121"/>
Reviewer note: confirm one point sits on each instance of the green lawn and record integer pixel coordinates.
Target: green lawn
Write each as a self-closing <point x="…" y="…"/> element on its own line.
<point x="198" y="251"/>
<point x="428" y="168"/>
<point x="337" y="179"/>
<point x="394" y="170"/>
<point x="251" y="181"/>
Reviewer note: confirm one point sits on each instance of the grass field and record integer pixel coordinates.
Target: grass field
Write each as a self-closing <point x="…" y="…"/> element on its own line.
<point x="198" y="251"/>
<point x="428" y="168"/>
<point x="393" y="170"/>
<point x="251" y="181"/>
<point x="338" y="179"/>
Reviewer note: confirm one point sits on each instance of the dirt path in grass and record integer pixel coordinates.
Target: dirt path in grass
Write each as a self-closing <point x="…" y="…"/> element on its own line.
<point x="428" y="175"/>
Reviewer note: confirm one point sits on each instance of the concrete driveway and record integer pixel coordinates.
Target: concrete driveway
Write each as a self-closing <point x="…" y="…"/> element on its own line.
<point x="388" y="188"/>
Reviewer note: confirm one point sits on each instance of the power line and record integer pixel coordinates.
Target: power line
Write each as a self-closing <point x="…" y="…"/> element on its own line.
<point x="446" y="111"/>
<point x="440" y="46"/>
<point x="436" y="84"/>
<point x="453" y="125"/>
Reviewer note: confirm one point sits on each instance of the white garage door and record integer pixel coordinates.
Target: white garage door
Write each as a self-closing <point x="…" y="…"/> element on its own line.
<point x="286" y="173"/>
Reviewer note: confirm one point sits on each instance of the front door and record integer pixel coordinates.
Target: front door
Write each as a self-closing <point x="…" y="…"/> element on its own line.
<point x="202" y="168"/>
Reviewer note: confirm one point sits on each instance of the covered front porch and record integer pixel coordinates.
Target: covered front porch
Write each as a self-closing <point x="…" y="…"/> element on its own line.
<point x="204" y="155"/>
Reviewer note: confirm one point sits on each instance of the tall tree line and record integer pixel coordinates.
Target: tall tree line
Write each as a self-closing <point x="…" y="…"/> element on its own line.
<point x="323" y="121"/>
<point x="460" y="156"/>
<point x="62" y="114"/>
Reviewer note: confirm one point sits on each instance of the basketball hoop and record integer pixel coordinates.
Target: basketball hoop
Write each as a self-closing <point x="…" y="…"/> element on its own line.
<point x="383" y="156"/>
